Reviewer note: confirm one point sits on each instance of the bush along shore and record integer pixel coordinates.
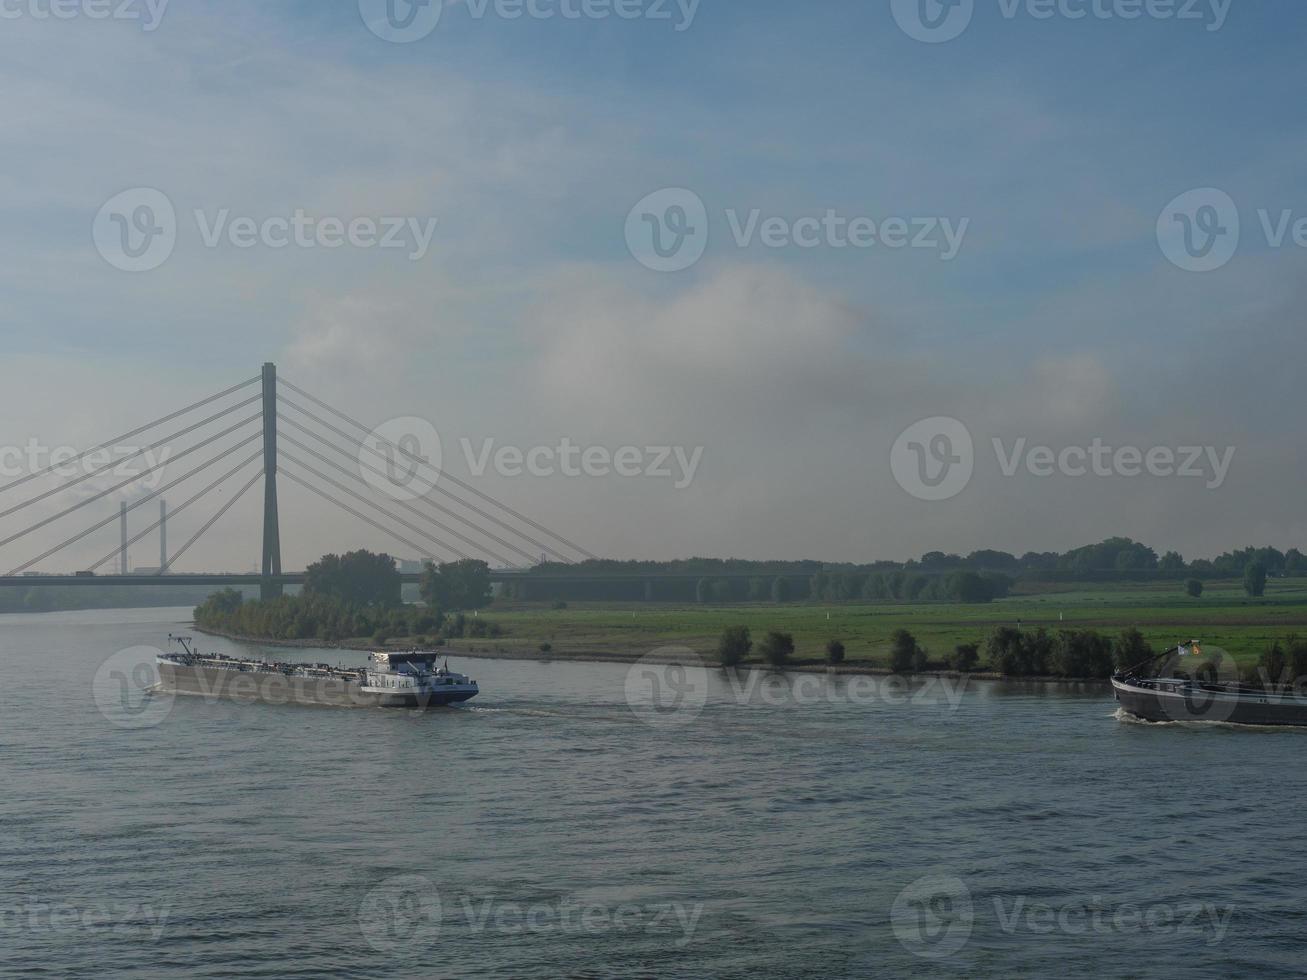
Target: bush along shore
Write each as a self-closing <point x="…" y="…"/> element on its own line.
<point x="1071" y="655"/>
<point x="323" y="621"/>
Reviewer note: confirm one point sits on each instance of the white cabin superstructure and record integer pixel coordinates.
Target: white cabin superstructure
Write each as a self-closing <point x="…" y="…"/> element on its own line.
<point x="415" y="673"/>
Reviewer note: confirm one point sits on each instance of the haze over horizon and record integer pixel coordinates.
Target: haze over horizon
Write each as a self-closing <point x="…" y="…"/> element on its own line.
<point x="1032" y="160"/>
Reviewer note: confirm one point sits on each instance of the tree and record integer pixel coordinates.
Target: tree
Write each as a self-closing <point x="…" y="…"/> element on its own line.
<point x="1272" y="665"/>
<point x="817" y="586"/>
<point x="701" y="591"/>
<point x="734" y="646"/>
<point x="1171" y="562"/>
<point x="965" y="657"/>
<point x="360" y="577"/>
<point x="780" y="590"/>
<point x="1194" y="587"/>
<point x="1082" y="653"/>
<point x="1114" y="554"/>
<point x="1297" y="654"/>
<point x="457" y="585"/>
<point x="995" y="560"/>
<point x="1039" y="650"/>
<point x="1254" y="579"/>
<point x="1130" y="649"/>
<point x="225" y="602"/>
<point x="903" y="652"/>
<point x="937" y="559"/>
<point x="1006" y="650"/>
<point x="835" y="652"/>
<point x="1294" y="562"/>
<point x="777" y="648"/>
<point x="969" y="587"/>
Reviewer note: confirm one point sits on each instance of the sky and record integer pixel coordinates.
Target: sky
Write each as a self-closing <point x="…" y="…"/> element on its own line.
<point x="881" y="278"/>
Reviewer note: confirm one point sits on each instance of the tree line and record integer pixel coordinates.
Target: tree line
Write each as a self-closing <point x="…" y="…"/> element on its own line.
<point x="1080" y="654"/>
<point x="357" y="595"/>
<point x="976" y="577"/>
<point x="57" y="598"/>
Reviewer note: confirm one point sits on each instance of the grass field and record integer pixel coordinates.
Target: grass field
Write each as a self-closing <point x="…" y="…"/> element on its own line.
<point x="1224" y="617"/>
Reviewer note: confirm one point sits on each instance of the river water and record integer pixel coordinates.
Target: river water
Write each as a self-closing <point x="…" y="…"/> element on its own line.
<point x="791" y="828"/>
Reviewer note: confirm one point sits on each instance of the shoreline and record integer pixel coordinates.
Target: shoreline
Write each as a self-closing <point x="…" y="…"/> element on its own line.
<point x="617" y="657"/>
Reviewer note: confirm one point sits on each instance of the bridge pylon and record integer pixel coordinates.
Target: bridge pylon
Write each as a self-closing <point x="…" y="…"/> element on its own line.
<point x="270" y="588"/>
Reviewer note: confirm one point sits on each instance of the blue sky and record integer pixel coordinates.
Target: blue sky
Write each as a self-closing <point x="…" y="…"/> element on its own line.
<point x="1060" y="319"/>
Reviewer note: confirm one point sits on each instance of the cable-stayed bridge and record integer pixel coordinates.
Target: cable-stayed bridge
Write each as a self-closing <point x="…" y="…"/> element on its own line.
<point x="262" y="431"/>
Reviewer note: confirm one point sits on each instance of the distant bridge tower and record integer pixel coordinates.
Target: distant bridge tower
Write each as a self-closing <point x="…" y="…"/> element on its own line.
<point x="271" y="524"/>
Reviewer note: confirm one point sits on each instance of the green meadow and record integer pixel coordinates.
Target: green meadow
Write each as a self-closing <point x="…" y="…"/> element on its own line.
<point x="1224" y="617"/>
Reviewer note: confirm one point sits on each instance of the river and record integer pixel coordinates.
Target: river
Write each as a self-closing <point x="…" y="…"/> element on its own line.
<point x="753" y="828"/>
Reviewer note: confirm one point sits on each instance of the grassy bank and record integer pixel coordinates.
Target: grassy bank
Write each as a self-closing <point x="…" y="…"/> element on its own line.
<point x="1224" y="617"/>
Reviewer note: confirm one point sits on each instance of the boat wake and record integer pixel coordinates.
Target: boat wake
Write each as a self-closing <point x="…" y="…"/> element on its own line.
<point x="1199" y="725"/>
<point x="482" y="709"/>
<point x="588" y="714"/>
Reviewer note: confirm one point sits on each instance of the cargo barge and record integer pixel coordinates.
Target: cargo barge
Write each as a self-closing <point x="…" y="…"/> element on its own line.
<point x="1168" y="695"/>
<point x="411" y="679"/>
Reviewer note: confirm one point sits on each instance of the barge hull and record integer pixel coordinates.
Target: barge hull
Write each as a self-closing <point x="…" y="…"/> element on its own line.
<point x="1232" y="709"/>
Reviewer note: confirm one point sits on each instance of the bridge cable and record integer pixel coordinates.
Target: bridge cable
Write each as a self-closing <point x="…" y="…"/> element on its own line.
<point x="140" y="452"/>
<point x="136" y="478"/>
<point x="213" y="520"/>
<point x="453" y="479"/>
<point x="426" y="517"/>
<point x="131" y="507"/>
<point x="358" y="445"/>
<point x="375" y="506"/>
<point x="129" y="435"/>
<point x="424" y="552"/>
<point x="173" y="513"/>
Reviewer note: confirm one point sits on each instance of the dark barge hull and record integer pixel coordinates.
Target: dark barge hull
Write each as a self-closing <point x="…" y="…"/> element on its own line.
<point x="1219" y="703"/>
<point x="274" y="687"/>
